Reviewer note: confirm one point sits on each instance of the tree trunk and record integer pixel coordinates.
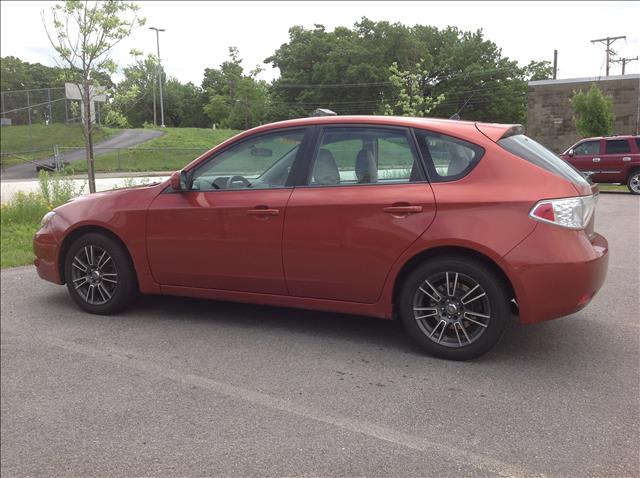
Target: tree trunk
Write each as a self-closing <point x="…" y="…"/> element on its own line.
<point x="89" y="138"/>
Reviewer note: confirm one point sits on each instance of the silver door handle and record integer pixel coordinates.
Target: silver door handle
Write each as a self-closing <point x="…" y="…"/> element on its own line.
<point x="596" y="160"/>
<point x="626" y="158"/>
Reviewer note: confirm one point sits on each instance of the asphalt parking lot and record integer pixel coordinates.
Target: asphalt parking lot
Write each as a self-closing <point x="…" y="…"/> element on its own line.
<point x="179" y="387"/>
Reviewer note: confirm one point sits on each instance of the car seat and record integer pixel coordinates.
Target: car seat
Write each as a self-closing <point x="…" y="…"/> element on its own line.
<point x="325" y="170"/>
<point x="366" y="169"/>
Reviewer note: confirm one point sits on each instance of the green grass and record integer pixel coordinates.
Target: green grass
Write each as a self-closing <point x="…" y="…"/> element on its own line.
<point x="613" y="187"/>
<point x="170" y="152"/>
<point x="20" y="219"/>
<point x="16" y="247"/>
<point x="18" y="144"/>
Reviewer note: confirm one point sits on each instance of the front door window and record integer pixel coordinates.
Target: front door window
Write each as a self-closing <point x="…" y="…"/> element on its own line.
<point x="258" y="163"/>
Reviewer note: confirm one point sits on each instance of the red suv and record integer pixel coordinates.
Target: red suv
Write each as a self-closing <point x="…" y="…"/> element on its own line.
<point x="428" y="221"/>
<point x="613" y="159"/>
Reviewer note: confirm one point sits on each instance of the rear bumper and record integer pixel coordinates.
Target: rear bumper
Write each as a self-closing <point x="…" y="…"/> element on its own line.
<point x="46" y="249"/>
<point x="557" y="272"/>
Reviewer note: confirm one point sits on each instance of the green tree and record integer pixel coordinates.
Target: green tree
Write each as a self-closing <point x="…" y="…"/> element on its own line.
<point x="134" y="98"/>
<point x="184" y="104"/>
<point x="83" y="35"/>
<point x="593" y="112"/>
<point x="235" y="99"/>
<point x="347" y="70"/>
<point x="409" y="90"/>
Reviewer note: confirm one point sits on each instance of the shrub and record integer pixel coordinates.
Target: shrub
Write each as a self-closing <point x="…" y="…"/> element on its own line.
<point x="593" y="112"/>
<point x="54" y="190"/>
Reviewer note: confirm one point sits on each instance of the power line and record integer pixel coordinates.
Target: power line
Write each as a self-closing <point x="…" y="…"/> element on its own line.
<point x="33" y="89"/>
<point x="381" y="83"/>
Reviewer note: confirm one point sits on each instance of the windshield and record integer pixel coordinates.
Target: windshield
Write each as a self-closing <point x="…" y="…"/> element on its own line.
<point x="535" y="153"/>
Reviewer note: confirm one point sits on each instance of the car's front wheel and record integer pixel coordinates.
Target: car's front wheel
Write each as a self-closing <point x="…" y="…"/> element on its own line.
<point x="454" y="307"/>
<point x="633" y="181"/>
<point x="99" y="274"/>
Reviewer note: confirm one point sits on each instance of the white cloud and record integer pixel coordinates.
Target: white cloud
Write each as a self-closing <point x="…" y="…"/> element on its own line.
<point x="199" y="33"/>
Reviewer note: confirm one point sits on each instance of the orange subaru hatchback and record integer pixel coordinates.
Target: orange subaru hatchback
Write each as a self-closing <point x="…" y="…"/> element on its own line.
<point x="448" y="226"/>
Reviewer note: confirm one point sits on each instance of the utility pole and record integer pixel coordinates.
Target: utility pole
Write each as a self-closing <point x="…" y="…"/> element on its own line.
<point x="608" y="41"/>
<point x="158" y="30"/>
<point x="555" y="63"/>
<point x="624" y="62"/>
<point x="155" y="114"/>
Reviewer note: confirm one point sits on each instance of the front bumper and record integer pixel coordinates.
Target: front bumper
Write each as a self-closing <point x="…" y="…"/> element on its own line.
<point x="556" y="272"/>
<point x="46" y="249"/>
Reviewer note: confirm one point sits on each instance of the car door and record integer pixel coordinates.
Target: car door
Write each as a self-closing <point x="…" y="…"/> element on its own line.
<point x="225" y="231"/>
<point x="364" y="202"/>
<point x="585" y="157"/>
<point x="612" y="160"/>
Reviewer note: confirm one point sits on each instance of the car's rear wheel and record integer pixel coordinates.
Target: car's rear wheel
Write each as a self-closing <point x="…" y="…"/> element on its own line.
<point x="633" y="181"/>
<point x="99" y="274"/>
<point x="454" y="307"/>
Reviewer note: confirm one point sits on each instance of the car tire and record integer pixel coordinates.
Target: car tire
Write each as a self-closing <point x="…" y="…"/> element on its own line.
<point x="633" y="181"/>
<point x="99" y="274"/>
<point x="468" y="295"/>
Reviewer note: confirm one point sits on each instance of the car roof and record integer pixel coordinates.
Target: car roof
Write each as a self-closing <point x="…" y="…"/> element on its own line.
<point x="455" y="127"/>
<point x="619" y="136"/>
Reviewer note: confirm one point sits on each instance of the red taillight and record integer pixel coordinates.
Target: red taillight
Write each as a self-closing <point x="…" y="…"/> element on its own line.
<point x="572" y="213"/>
<point x="544" y="211"/>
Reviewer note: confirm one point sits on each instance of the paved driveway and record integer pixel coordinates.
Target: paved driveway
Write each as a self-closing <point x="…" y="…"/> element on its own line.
<point x="187" y="387"/>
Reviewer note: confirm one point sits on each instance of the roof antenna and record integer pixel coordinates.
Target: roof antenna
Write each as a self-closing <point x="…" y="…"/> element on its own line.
<point x="323" y="112"/>
<point x="456" y="115"/>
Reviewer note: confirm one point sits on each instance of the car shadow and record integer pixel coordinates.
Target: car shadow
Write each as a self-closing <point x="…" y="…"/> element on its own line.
<point x="545" y="342"/>
<point x="567" y="340"/>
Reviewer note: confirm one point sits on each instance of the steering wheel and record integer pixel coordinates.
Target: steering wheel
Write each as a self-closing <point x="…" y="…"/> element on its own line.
<point x="235" y="179"/>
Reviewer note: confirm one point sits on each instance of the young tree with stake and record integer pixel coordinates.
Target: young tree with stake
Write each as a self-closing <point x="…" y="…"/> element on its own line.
<point x="83" y="35"/>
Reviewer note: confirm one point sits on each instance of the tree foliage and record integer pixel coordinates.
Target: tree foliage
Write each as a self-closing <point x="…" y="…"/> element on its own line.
<point x="235" y="100"/>
<point x="410" y="92"/>
<point x="369" y="68"/>
<point x="463" y="67"/>
<point x="593" y="112"/>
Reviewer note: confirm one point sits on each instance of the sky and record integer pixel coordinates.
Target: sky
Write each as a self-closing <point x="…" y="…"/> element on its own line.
<point x="198" y="34"/>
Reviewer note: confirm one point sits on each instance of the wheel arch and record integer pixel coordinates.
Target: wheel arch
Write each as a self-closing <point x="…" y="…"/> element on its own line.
<point x="634" y="168"/>
<point x="438" y="251"/>
<point x="87" y="229"/>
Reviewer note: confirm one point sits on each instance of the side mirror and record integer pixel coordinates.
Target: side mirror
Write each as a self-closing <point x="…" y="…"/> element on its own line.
<point x="178" y="181"/>
<point x="570" y="152"/>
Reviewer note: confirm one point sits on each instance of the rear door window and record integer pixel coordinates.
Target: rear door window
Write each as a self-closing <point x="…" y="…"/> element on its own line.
<point x="617" y="146"/>
<point x="588" y="148"/>
<point x="447" y="158"/>
<point x="364" y="155"/>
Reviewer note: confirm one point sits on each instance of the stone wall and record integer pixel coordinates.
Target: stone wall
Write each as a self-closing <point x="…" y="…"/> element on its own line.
<point x="550" y="116"/>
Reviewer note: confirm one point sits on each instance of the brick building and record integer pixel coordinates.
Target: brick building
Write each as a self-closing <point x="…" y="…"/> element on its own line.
<point x="550" y="116"/>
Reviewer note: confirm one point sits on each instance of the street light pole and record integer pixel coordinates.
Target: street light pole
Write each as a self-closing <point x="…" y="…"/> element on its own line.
<point x="158" y="30"/>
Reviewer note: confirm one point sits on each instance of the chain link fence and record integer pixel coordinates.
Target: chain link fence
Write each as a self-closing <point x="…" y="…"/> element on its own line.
<point x="39" y="106"/>
<point x="72" y="160"/>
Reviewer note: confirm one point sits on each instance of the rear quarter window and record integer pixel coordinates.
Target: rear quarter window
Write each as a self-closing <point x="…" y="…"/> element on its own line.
<point x="532" y="151"/>
<point x="617" y="146"/>
<point x="447" y="158"/>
